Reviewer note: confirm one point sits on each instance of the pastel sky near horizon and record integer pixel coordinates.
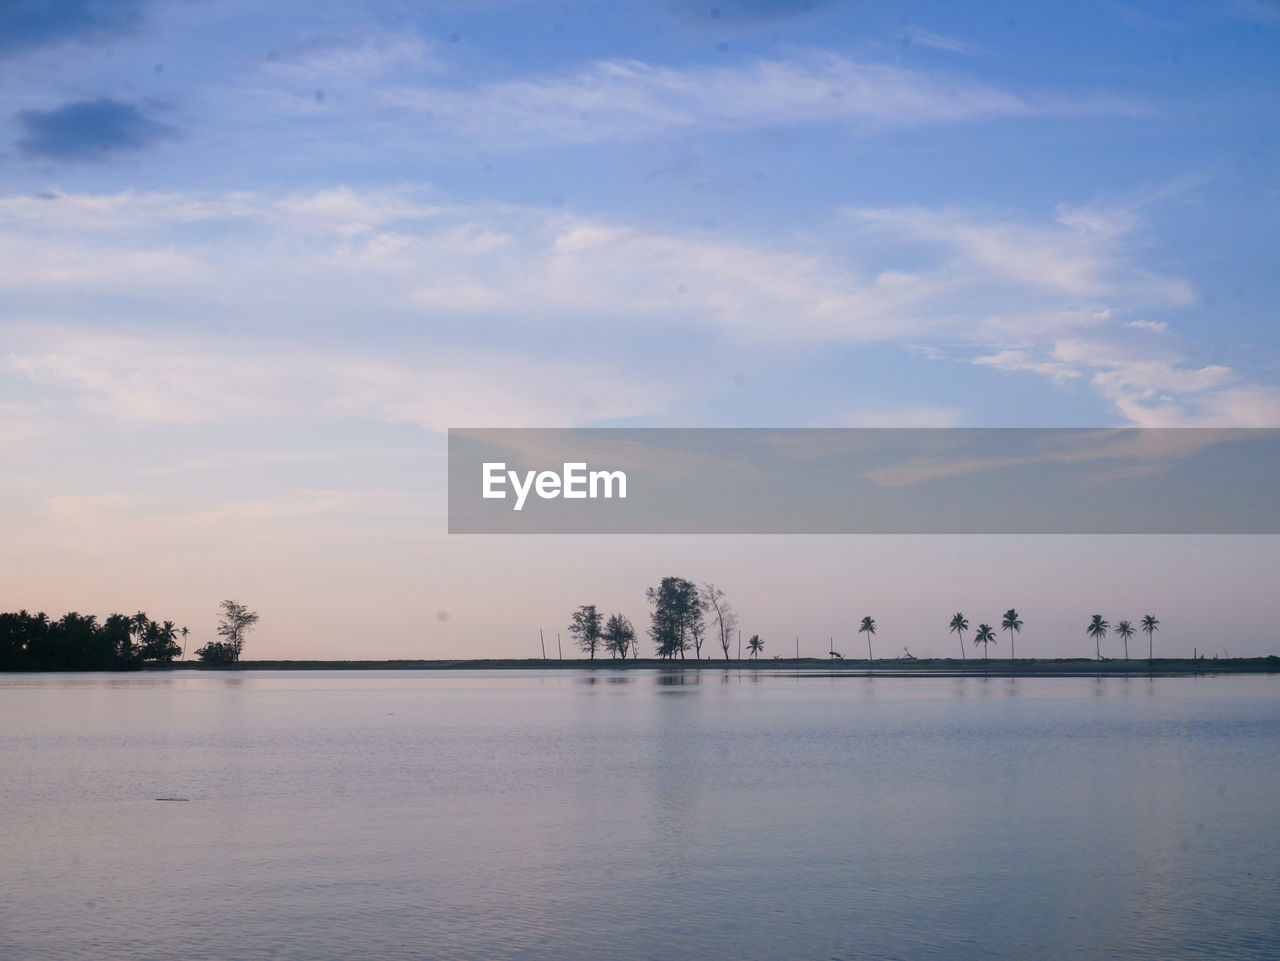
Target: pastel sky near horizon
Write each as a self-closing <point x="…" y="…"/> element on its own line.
<point x="256" y="258"/>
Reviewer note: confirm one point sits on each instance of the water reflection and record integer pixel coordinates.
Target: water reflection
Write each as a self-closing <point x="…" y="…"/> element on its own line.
<point x="677" y="679"/>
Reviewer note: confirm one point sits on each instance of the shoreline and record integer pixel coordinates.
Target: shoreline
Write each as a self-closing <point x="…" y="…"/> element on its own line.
<point x="819" y="667"/>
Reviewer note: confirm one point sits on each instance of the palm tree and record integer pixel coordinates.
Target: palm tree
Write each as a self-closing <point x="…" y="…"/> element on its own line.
<point x="1150" y="625"/>
<point x="755" y="645"/>
<point x="1125" y="630"/>
<point x="185" y="632"/>
<point x="958" y="626"/>
<point x="139" y="624"/>
<point x="1097" y="629"/>
<point x="984" y="637"/>
<point x="1013" y="624"/>
<point x="868" y="627"/>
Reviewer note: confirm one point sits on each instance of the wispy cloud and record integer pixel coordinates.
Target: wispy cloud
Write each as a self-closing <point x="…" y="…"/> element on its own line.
<point x="353" y="58"/>
<point x="927" y="38"/>
<point x="613" y="100"/>
<point x="1052" y="298"/>
<point x="1130" y="453"/>
<point x="132" y="379"/>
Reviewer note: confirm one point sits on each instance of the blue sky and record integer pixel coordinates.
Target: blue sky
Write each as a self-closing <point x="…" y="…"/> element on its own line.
<point x="255" y="258"/>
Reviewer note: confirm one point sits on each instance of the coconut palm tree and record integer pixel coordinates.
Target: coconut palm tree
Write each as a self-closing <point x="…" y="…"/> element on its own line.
<point x="755" y="645"/>
<point x="1125" y="630"/>
<point x="184" y="633"/>
<point x="1150" y="625"/>
<point x="1013" y="624"/>
<point x="1097" y="629"/>
<point x="959" y="624"/>
<point x="868" y="627"/>
<point x="984" y="637"/>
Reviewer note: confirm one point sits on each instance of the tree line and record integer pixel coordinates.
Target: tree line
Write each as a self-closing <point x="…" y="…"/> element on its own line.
<point x="683" y="618"/>
<point x="683" y="615"/>
<point x="80" y="642"/>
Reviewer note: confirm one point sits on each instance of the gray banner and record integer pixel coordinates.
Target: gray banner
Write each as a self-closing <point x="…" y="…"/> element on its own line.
<point x="864" y="481"/>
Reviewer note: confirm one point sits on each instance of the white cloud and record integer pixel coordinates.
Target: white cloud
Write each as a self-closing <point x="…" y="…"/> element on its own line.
<point x="612" y="100"/>
<point x="502" y="312"/>
<point x="1070" y="259"/>
<point x="937" y="41"/>
<point x="367" y="56"/>
<point x="1022" y="361"/>
<point x="1132" y="453"/>
<point x="173" y="379"/>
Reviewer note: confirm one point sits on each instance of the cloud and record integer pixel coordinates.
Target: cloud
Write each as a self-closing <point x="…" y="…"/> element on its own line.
<point x="353" y="58"/>
<point x="501" y="312"/>
<point x="1156" y="326"/>
<point x="1082" y="256"/>
<point x="936" y="41"/>
<point x="30" y="24"/>
<point x="89" y="130"/>
<point x="1022" y="361"/>
<point x="613" y="100"/>
<point x="1139" y="452"/>
<point x="131" y="379"/>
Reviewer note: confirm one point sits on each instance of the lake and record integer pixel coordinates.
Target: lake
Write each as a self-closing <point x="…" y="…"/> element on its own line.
<point x="641" y="814"/>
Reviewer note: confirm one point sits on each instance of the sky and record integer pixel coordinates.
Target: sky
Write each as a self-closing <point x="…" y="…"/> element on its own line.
<point x="255" y="260"/>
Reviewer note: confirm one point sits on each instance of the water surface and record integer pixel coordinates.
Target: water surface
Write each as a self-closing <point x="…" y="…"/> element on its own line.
<point x="752" y="815"/>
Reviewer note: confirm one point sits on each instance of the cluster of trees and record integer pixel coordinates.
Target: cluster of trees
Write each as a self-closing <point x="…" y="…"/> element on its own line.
<point x="232" y="628"/>
<point x="1097" y="629"/>
<point x="79" y="642"/>
<point x="1099" y="626"/>
<point x="986" y="634"/>
<point x="682" y="617"/>
<point x="591" y="632"/>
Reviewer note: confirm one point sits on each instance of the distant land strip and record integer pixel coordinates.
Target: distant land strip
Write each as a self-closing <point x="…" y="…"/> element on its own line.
<point x="814" y="666"/>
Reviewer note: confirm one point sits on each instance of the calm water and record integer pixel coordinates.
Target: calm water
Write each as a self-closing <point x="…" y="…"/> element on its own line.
<point x="638" y="815"/>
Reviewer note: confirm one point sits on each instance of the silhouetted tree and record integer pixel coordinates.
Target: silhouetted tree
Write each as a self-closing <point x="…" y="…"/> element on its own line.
<point x="1125" y="630"/>
<point x="1013" y="624"/>
<point x="725" y="621"/>
<point x="138" y="623"/>
<point x="1150" y="625"/>
<point x="984" y="637"/>
<point x="676" y="617"/>
<point x="868" y="627"/>
<point x="585" y="629"/>
<point x="1097" y="629"/>
<point x="959" y="624"/>
<point x="755" y="646"/>
<point x="161" y="643"/>
<point x="217" y="654"/>
<point x="619" y="635"/>
<point x="237" y="620"/>
<point x="117" y="630"/>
